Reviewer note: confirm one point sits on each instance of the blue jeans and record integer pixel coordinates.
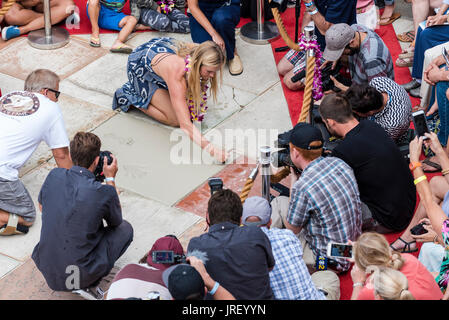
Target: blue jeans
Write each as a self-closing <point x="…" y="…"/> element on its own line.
<point x="425" y="39"/>
<point x="224" y="17"/>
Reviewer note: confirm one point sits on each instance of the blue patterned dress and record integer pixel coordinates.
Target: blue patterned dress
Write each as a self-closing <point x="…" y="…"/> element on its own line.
<point x="142" y="80"/>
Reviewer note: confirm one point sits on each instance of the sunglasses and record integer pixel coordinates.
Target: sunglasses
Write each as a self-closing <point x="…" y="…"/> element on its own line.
<point x="57" y="93"/>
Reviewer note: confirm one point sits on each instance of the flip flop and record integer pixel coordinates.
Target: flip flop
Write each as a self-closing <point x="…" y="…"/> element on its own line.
<point x="406" y="248"/>
<point x="95" y="42"/>
<point x="408" y="36"/>
<point x="404" y="62"/>
<point x="13" y="227"/>
<point x="407" y="52"/>
<point x="391" y="19"/>
<point x="431" y="164"/>
<point x="121" y="49"/>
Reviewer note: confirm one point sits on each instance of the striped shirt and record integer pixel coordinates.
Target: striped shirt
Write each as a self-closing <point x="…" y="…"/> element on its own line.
<point x="325" y="203"/>
<point x="290" y="279"/>
<point x="115" y="5"/>
<point x="395" y="117"/>
<point x="373" y="60"/>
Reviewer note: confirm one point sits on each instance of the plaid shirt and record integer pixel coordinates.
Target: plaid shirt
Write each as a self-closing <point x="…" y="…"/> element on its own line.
<point x="290" y="279"/>
<point x="325" y="203"/>
<point x="373" y="60"/>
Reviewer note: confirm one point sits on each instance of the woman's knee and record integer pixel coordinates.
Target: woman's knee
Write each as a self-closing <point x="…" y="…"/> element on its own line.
<point x="12" y="17"/>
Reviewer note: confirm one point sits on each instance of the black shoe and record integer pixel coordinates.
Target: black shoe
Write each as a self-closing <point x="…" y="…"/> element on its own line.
<point x="415" y="92"/>
<point x="411" y="85"/>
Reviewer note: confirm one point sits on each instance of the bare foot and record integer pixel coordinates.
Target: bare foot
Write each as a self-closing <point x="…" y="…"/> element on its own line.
<point x="142" y="27"/>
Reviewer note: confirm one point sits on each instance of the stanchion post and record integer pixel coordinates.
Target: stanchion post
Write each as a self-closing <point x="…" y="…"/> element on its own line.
<point x="260" y="31"/>
<point x="265" y="161"/>
<point x="310" y="69"/>
<point x="50" y="37"/>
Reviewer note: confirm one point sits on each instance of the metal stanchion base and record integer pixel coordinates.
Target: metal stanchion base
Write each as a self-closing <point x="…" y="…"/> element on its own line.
<point x="250" y="33"/>
<point x="58" y="39"/>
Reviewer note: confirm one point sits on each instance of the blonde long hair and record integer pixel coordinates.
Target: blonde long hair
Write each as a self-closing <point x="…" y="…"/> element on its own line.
<point x="372" y="248"/>
<point x="390" y="284"/>
<point x="207" y="54"/>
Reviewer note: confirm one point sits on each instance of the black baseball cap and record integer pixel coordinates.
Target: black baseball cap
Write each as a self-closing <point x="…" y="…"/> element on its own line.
<point x="182" y="280"/>
<point x="303" y="134"/>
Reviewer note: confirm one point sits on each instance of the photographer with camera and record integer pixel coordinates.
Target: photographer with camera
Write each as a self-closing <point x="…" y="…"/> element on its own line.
<point x="368" y="56"/>
<point x="324" y="202"/>
<point x="323" y="13"/>
<point x="73" y="206"/>
<point x="381" y="172"/>
<point x="240" y="257"/>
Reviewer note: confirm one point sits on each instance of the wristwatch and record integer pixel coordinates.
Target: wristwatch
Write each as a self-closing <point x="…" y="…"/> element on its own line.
<point x="414" y="165"/>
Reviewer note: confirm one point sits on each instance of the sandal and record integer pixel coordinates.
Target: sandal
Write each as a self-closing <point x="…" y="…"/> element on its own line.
<point x="95" y="42"/>
<point x="391" y="19"/>
<point x="404" y="62"/>
<point x="406" y="248"/>
<point x="431" y="164"/>
<point x="408" y="36"/>
<point x="121" y="49"/>
<point x="13" y="227"/>
<point x="407" y="53"/>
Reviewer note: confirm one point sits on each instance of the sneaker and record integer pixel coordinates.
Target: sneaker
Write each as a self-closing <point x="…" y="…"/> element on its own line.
<point x="235" y="66"/>
<point x="10" y="32"/>
<point x="91" y="293"/>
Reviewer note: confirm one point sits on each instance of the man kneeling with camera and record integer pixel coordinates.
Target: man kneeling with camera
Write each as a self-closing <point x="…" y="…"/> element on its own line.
<point x="324" y="201"/>
<point x="75" y="249"/>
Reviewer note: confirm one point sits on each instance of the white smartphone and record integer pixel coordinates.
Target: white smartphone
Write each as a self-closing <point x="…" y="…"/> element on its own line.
<point x="420" y="123"/>
<point x="339" y="250"/>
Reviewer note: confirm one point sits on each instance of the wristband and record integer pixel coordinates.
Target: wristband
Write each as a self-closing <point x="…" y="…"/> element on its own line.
<point x="314" y="12"/>
<point x="445" y="172"/>
<point x="358" y="284"/>
<point x="435" y="239"/>
<point x="308" y="4"/>
<point x="109" y="179"/>
<point x="414" y="165"/>
<point x="214" y="289"/>
<point x="419" y="179"/>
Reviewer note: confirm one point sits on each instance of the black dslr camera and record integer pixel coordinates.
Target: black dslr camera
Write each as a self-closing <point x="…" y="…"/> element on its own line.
<point x="326" y="82"/>
<point x="167" y="256"/>
<point x="99" y="174"/>
<point x="282" y="158"/>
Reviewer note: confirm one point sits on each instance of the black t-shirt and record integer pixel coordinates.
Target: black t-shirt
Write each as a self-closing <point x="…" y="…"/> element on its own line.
<point x="384" y="179"/>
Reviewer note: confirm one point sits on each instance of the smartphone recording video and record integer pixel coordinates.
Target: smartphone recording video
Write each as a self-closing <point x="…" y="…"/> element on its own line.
<point x="339" y="250"/>
<point x="420" y="123"/>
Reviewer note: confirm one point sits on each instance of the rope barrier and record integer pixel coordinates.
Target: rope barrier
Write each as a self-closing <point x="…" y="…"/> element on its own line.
<point x="6" y="6"/>
<point x="307" y="99"/>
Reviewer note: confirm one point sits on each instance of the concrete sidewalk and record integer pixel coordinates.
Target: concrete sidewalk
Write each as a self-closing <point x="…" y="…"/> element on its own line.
<point x="158" y="196"/>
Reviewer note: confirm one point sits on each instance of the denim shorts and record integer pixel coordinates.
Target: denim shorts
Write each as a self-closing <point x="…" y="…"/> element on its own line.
<point x="107" y="18"/>
<point x="15" y="198"/>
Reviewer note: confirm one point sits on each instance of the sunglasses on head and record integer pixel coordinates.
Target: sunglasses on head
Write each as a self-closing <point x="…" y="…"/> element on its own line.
<point x="57" y="93"/>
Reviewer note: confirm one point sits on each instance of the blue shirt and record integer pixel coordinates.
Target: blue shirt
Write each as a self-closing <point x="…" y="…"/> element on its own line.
<point x="73" y="208"/>
<point x="325" y="203"/>
<point x="335" y="11"/>
<point x="290" y="279"/>
<point x="239" y="258"/>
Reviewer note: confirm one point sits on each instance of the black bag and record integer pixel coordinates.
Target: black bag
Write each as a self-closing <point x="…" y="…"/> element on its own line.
<point x="248" y="9"/>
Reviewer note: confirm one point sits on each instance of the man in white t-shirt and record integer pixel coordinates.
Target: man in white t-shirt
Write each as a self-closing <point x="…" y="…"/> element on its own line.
<point x="27" y="118"/>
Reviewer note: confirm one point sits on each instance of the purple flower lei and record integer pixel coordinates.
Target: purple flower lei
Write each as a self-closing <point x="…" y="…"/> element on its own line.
<point x="317" y="90"/>
<point x="166" y="5"/>
<point x="194" y="115"/>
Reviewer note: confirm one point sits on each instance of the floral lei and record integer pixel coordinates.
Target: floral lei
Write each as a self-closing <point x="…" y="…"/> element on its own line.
<point x="317" y="91"/>
<point x="195" y="114"/>
<point x="166" y="5"/>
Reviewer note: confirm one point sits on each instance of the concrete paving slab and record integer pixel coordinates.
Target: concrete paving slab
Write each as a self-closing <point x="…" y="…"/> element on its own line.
<point x="150" y="220"/>
<point x="256" y="125"/>
<point x="64" y="61"/>
<point x="78" y="115"/>
<point x="146" y="163"/>
<point x="20" y="247"/>
<point x="7" y="264"/>
<point x="259" y="68"/>
<point x="27" y="283"/>
<point x="9" y="84"/>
